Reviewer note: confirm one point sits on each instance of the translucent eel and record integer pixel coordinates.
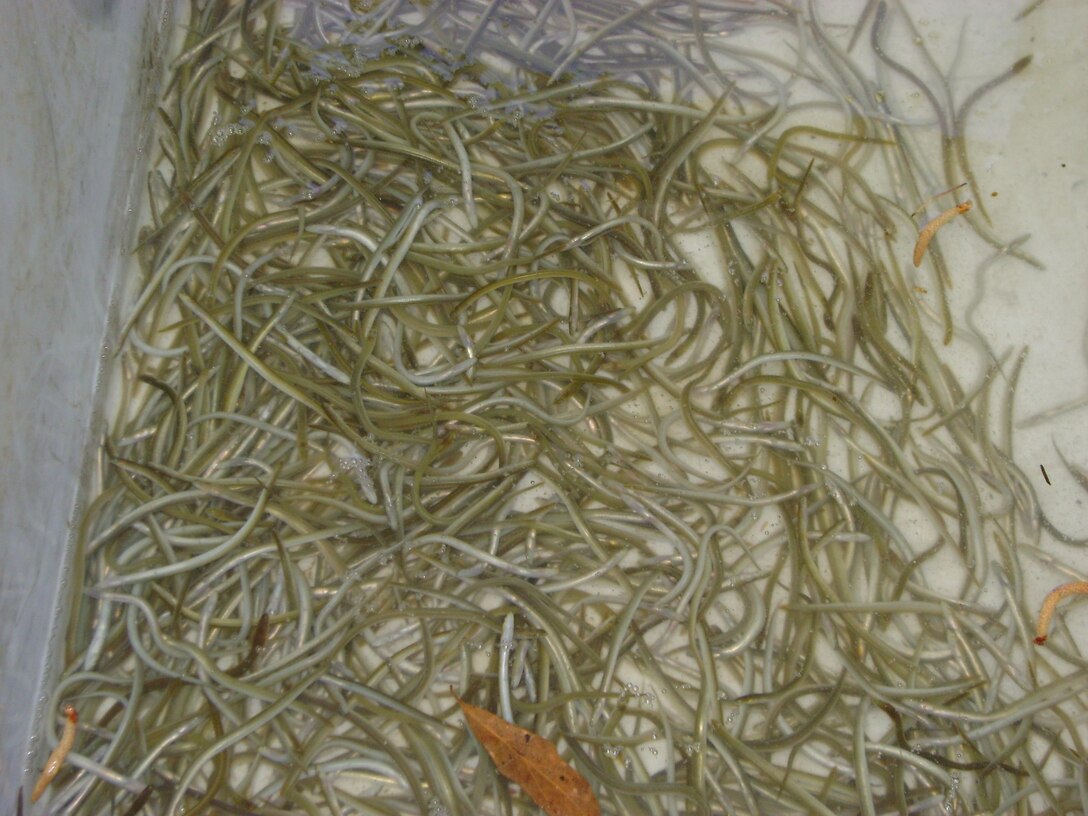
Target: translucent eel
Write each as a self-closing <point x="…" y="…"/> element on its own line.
<point x="624" y="417"/>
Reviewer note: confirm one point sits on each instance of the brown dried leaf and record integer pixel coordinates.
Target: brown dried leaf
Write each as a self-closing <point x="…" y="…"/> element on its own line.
<point x="532" y="762"/>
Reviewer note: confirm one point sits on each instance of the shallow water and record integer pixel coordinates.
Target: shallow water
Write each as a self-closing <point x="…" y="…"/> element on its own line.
<point x="704" y="454"/>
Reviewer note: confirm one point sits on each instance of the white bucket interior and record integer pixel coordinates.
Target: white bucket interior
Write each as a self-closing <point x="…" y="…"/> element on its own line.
<point x="78" y="80"/>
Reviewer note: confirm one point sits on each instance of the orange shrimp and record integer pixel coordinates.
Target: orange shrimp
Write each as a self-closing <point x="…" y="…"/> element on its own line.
<point x="1051" y="602"/>
<point x="60" y="753"/>
<point x="930" y="229"/>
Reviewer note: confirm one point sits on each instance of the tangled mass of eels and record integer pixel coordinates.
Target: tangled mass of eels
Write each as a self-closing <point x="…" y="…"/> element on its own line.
<point x="568" y="359"/>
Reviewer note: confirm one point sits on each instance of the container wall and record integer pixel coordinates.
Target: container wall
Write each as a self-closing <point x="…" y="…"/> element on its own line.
<point x="77" y="79"/>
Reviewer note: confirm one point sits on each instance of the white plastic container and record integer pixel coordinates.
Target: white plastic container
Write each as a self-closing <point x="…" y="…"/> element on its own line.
<point x="78" y="80"/>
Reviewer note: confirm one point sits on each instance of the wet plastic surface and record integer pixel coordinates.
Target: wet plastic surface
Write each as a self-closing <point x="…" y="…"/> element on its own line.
<point x="76" y="78"/>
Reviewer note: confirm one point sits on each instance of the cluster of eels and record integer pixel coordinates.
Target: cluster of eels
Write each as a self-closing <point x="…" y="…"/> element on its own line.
<point x="567" y="358"/>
